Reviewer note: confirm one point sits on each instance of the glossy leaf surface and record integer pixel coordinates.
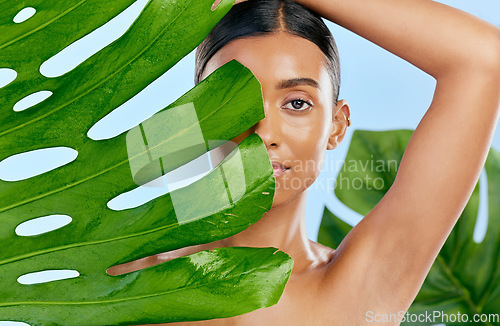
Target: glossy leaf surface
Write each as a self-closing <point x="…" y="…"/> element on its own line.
<point x="220" y="283"/>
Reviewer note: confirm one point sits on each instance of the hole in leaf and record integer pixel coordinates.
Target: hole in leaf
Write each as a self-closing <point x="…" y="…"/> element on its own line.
<point x="24" y="15"/>
<point x="47" y="276"/>
<point x="178" y="178"/>
<point x="31" y="100"/>
<point x="13" y="323"/>
<point x="29" y="164"/>
<point x="79" y="51"/>
<point x="483" y="210"/>
<point x="146" y="103"/>
<point x="7" y="76"/>
<point x="42" y="225"/>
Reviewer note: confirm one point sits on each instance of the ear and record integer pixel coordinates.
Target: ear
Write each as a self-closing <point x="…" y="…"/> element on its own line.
<point x="340" y="122"/>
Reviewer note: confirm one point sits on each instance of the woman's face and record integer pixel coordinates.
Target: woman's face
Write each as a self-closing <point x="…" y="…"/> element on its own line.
<point x="300" y="119"/>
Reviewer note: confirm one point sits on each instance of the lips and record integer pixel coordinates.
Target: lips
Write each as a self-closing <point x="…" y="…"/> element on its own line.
<point x="279" y="169"/>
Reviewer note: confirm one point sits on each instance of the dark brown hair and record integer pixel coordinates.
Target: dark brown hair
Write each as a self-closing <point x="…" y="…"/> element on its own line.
<point x="261" y="17"/>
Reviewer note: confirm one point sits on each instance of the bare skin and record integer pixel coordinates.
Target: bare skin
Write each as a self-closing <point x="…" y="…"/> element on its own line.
<point x="383" y="261"/>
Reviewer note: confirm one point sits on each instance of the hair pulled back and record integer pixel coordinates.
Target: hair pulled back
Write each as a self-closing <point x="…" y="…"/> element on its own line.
<point x="261" y="17"/>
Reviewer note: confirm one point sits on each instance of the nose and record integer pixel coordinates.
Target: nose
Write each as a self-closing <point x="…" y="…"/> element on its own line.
<point x="268" y="129"/>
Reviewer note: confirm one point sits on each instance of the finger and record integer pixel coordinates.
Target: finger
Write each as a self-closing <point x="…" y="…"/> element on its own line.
<point x="215" y="4"/>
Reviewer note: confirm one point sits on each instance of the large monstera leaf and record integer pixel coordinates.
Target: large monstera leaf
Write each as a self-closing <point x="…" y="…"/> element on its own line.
<point x="220" y="283"/>
<point x="465" y="278"/>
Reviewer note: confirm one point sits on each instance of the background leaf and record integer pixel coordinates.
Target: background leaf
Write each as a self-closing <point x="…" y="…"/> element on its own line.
<point x="465" y="277"/>
<point x="372" y="156"/>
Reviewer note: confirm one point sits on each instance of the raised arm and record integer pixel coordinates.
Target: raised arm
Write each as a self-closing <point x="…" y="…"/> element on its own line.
<point x="387" y="255"/>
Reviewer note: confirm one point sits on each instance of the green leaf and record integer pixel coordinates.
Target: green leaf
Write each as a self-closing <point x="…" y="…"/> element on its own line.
<point x="370" y="167"/>
<point x="465" y="277"/>
<point x="216" y="284"/>
<point x="332" y="230"/>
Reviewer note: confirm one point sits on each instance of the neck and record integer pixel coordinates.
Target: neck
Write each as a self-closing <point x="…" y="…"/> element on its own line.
<point x="282" y="227"/>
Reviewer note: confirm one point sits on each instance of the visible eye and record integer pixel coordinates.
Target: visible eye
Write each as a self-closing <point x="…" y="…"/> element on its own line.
<point x="298" y="105"/>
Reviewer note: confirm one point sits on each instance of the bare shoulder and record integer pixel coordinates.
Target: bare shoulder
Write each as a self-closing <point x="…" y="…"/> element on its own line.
<point x="337" y="284"/>
<point x="364" y="274"/>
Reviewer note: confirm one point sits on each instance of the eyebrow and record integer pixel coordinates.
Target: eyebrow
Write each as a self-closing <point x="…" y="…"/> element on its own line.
<point x="296" y="82"/>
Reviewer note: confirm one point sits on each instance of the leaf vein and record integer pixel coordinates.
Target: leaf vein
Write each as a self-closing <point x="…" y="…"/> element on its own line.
<point x="50" y="21"/>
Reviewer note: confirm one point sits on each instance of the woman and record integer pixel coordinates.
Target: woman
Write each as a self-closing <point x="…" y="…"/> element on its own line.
<point x="380" y="266"/>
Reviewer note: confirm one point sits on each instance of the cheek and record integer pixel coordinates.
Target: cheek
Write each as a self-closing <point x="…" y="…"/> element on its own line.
<point x="311" y="135"/>
<point x="308" y="151"/>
